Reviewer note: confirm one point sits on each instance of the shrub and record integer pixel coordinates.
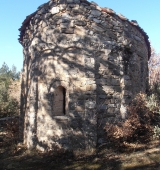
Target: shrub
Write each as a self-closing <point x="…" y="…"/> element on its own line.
<point x="8" y="106"/>
<point x="152" y="103"/>
<point x="137" y="127"/>
<point x="156" y="132"/>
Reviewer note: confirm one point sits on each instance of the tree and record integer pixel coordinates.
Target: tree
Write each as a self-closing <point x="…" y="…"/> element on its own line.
<point x="8" y="105"/>
<point x="4" y="75"/>
<point x="14" y="74"/>
<point x="154" y="67"/>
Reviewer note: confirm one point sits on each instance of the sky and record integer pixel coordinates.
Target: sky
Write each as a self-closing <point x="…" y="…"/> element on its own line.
<point x="13" y="13"/>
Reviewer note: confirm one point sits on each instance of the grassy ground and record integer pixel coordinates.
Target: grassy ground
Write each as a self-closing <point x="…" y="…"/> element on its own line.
<point x="133" y="157"/>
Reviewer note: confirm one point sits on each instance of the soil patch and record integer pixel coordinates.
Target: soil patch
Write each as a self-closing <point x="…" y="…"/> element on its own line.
<point x="133" y="157"/>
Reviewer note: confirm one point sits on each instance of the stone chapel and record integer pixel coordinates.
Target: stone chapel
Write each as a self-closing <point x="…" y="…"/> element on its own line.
<point x="83" y="64"/>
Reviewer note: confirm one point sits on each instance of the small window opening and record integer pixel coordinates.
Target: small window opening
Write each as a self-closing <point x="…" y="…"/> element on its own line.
<point x="59" y="101"/>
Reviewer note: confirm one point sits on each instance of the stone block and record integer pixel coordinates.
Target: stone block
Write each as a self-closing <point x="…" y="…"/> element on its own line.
<point x="103" y="107"/>
<point x="96" y="13"/>
<point x="90" y="74"/>
<point x="102" y="96"/>
<point x="80" y="89"/>
<point x="90" y="81"/>
<point x="137" y="38"/>
<point x="117" y="88"/>
<point x="112" y="101"/>
<point x="91" y="87"/>
<point x="98" y="8"/>
<point x="97" y="28"/>
<point x="103" y="81"/>
<point x="72" y="106"/>
<point x="108" y="101"/>
<point x="87" y="87"/>
<point x="102" y="69"/>
<point x="67" y="30"/>
<point x="80" y="31"/>
<point x="108" y="89"/>
<point x="111" y="111"/>
<point x="111" y="105"/>
<point x="90" y="92"/>
<point x="90" y="104"/>
<point x="78" y="83"/>
<point x="117" y="110"/>
<point x="80" y="23"/>
<point x="55" y="10"/>
<point x="64" y="25"/>
<point x="89" y="65"/>
<point x="80" y="108"/>
<point x="93" y="61"/>
<point x="96" y="20"/>
<point x="80" y="103"/>
<point x="127" y="82"/>
<point x="115" y="82"/>
<point x="126" y="93"/>
<point x="77" y="11"/>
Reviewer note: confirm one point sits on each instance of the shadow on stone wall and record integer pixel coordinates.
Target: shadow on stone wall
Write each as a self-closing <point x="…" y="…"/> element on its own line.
<point x="90" y="106"/>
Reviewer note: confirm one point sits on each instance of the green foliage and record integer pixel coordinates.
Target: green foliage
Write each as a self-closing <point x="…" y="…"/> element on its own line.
<point x="156" y="132"/>
<point x="155" y="89"/>
<point x="8" y="105"/>
<point x="153" y="98"/>
<point x="9" y="108"/>
<point x="152" y="103"/>
<point x="7" y="74"/>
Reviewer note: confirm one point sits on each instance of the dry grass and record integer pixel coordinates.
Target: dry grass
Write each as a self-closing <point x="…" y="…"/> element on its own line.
<point x="137" y="157"/>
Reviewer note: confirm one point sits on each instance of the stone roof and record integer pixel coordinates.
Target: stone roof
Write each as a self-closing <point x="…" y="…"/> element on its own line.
<point x="105" y="9"/>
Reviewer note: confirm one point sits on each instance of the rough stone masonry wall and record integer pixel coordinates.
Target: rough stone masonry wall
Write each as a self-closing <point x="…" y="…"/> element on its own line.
<point x="98" y="57"/>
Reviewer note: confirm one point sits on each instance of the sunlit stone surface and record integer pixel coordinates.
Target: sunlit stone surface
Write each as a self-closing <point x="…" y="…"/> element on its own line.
<point x="83" y="64"/>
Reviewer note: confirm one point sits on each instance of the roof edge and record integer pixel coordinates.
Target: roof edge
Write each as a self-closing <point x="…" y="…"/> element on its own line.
<point x="104" y="9"/>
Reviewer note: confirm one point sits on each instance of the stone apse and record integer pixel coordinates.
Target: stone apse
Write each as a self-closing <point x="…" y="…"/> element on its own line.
<point x="82" y="66"/>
